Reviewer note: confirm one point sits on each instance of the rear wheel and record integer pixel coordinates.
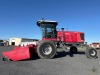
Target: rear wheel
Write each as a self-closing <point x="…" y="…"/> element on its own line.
<point x="91" y="53"/>
<point x="46" y="49"/>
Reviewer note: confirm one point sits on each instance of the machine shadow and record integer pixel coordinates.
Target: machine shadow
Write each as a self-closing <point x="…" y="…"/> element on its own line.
<point x="63" y="54"/>
<point x="59" y="55"/>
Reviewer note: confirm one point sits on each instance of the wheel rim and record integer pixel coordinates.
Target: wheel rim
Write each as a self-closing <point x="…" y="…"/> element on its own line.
<point x="47" y="49"/>
<point x="93" y="53"/>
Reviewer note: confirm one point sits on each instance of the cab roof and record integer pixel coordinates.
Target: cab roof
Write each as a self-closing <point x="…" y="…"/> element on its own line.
<point x="46" y="22"/>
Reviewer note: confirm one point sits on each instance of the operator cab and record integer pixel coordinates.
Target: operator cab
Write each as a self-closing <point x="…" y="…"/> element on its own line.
<point x="48" y="28"/>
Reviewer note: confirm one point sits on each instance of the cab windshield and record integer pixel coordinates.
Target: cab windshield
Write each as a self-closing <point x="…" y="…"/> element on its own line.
<point x="48" y="31"/>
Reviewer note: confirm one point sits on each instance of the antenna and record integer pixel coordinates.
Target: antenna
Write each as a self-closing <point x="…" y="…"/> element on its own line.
<point x="43" y="19"/>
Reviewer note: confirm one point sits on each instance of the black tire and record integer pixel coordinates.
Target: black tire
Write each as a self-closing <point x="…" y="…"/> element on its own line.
<point x="46" y="49"/>
<point x="73" y="50"/>
<point x="91" y="53"/>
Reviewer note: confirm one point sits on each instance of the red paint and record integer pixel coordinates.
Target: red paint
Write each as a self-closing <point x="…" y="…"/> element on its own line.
<point x="67" y="36"/>
<point x="20" y="53"/>
<point x="53" y="39"/>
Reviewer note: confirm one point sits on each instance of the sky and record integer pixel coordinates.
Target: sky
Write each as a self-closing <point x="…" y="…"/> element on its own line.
<point x="18" y="17"/>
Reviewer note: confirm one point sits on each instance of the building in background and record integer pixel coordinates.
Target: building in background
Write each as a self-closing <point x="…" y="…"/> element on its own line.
<point x="22" y="41"/>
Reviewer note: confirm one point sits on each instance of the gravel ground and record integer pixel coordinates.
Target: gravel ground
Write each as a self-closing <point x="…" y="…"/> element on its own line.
<point x="62" y="64"/>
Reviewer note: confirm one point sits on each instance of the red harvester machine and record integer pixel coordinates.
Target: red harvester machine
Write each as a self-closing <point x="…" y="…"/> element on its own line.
<point x="51" y="39"/>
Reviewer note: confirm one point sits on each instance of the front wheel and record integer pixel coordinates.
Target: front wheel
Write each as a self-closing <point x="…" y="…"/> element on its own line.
<point x="46" y="49"/>
<point x="91" y="53"/>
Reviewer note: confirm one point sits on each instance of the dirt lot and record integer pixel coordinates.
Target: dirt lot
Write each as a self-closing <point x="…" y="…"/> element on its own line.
<point x="62" y="64"/>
